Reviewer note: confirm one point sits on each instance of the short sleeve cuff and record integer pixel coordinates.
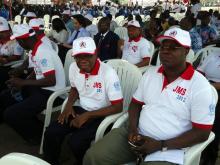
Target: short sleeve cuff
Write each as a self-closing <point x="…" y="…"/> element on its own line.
<point x="202" y="126"/>
<point x="137" y="101"/>
<point x="116" y="101"/>
<point x="51" y="72"/>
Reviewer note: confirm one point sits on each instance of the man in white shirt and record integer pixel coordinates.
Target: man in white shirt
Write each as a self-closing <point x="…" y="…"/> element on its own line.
<point x="172" y="108"/>
<point x="38" y="25"/>
<point x="136" y="48"/>
<point x="27" y="97"/>
<point x="99" y="97"/>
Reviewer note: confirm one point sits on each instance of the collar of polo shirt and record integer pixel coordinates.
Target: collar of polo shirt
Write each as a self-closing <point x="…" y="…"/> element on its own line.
<point x="186" y="75"/>
<point x="95" y="69"/>
<point x="135" y="39"/>
<point x="39" y="42"/>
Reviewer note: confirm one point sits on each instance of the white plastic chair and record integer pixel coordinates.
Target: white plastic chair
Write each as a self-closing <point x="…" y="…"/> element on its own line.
<point x="119" y="19"/>
<point x="55" y="16"/>
<point x="144" y="69"/>
<point x="122" y="32"/>
<point x="192" y="154"/>
<point x="203" y="53"/>
<point x="60" y="93"/>
<point x="129" y="76"/>
<point x="18" y="19"/>
<point x="190" y="56"/>
<point x="21" y="159"/>
<point x="47" y="21"/>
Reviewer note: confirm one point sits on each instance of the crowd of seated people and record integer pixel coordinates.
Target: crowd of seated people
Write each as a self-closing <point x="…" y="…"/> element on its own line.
<point x="24" y="90"/>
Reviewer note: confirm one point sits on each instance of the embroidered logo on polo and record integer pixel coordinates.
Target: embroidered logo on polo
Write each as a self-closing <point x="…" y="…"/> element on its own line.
<point x="117" y="86"/>
<point x="173" y="33"/>
<point x="82" y="44"/>
<point x="134" y="48"/>
<point x="181" y="92"/>
<point x="211" y="109"/>
<point x="44" y="62"/>
<point x="98" y="86"/>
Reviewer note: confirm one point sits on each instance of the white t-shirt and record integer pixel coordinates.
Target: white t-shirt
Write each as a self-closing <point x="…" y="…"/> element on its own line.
<point x="98" y="89"/>
<point x="11" y="48"/>
<point x="45" y="40"/>
<point x="134" y="52"/>
<point x="211" y="67"/>
<point x="46" y="61"/>
<point x="171" y="109"/>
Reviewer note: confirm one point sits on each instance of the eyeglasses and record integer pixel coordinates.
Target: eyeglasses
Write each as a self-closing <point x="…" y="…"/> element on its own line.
<point x="171" y="47"/>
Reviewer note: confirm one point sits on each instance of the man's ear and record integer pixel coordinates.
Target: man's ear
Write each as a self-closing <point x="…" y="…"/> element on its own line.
<point x="187" y="51"/>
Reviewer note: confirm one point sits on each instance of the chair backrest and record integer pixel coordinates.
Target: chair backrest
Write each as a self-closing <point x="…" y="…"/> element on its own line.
<point x="55" y="16"/>
<point x="193" y="154"/>
<point x="190" y="56"/>
<point x="203" y="53"/>
<point x="122" y="32"/>
<point x="151" y="48"/>
<point x="129" y="76"/>
<point x="54" y="46"/>
<point x="68" y="61"/>
<point x="21" y="159"/>
<point x="46" y="21"/>
<point x="18" y="19"/>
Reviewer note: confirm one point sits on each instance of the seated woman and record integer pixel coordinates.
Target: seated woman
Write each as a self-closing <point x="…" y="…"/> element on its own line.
<point x="59" y="33"/>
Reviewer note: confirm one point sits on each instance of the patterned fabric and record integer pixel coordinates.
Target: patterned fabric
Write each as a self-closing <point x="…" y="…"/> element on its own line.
<point x="207" y="33"/>
<point x="196" y="40"/>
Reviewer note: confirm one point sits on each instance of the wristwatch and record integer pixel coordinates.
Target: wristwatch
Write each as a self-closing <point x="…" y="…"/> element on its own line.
<point x="163" y="146"/>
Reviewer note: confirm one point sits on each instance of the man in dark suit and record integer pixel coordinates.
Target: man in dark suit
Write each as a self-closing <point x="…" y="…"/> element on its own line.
<point x="106" y="41"/>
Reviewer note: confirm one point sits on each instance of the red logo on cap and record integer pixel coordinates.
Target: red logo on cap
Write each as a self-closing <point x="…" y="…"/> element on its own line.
<point x="173" y="33"/>
<point x="82" y="45"/>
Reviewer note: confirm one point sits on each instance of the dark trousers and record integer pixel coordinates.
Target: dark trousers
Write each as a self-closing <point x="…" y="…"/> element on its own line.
<point x="79" y="140"/>
<point x="3" y="77"/>
<point x="210" y="154"/>
<point x="62" y="53"/>
<point x="22" y="116"/>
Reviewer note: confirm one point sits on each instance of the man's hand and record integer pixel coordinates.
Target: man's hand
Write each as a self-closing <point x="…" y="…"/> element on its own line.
<point x="146" y="145"/>
<point x="132" y="136"/>
<point x="17" y="72"/>
<point x="64" y="116"/>
<point x="80" y="120"/>
<point x="16" y="82"/>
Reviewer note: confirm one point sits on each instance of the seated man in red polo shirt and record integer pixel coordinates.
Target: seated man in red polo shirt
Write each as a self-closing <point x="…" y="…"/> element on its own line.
<point x="172" y="108"/>
<point x="97" y="87"/>
<point x="136" y="48"/>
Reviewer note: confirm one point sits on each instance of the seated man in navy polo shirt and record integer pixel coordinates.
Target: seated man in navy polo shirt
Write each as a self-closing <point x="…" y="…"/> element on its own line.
<point x="97" y="87"/>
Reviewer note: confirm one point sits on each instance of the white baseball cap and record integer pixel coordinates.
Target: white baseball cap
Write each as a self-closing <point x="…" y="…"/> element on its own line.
<point x="30" y="14"/>
<point x="89" y="17"/>
<point x="134" y="23"/>
<point x="182" y="37"/>
<point x="3" y="24"/>
<point x="22" y="31"/>
<point x="37" y="24"/>
<point x="84" y="45"/>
